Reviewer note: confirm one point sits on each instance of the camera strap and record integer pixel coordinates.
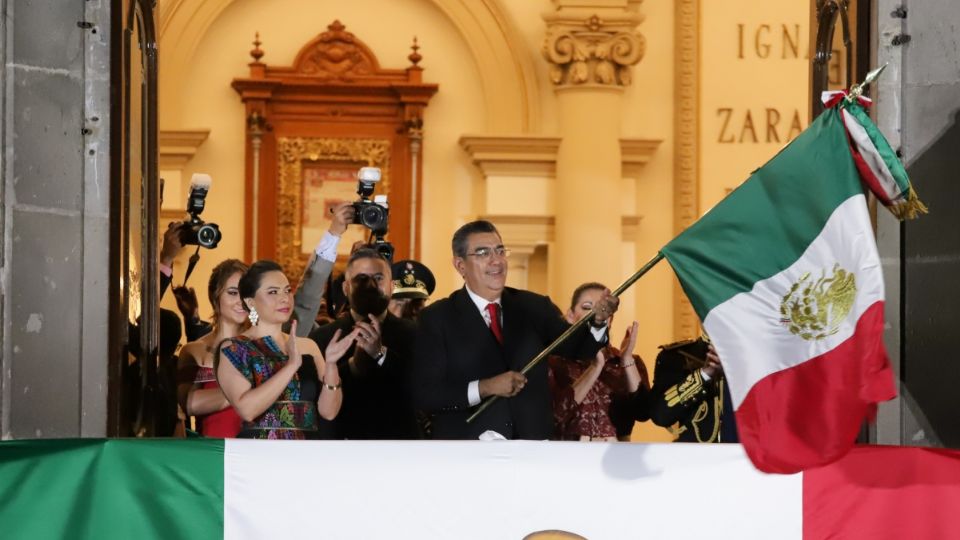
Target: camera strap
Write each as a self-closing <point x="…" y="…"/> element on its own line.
<point x="190" y="266"/>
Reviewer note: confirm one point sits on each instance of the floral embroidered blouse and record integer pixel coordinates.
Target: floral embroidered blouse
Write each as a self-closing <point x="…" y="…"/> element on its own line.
<point x="294" y="414"/>
<point x="605" y="411"/>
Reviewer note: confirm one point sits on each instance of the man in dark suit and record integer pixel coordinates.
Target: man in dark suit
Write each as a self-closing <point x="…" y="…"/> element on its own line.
<point x="375" y="370"/>
<point x="473" y="343"/>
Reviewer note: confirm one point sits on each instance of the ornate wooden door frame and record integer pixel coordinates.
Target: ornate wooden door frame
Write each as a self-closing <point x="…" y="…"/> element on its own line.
<point x="334" y="102"/>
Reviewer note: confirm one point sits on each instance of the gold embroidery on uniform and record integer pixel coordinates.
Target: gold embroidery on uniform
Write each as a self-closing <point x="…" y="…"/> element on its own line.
<point x="815" y="310"/>
<point x="700" y="416"/>
<point x="680" y="393"/>
<point x="720" y="405"/>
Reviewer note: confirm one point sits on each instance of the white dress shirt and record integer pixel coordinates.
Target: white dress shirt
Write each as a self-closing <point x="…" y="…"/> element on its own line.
<point x="327" y="247"/>
<point x="473" y="388"/>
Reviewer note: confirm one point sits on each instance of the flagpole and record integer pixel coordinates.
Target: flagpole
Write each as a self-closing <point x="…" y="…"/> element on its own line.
<point x="573" y="328"/>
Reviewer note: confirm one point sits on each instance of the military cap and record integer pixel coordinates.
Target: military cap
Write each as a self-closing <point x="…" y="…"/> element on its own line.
<point x="411" y="279"/>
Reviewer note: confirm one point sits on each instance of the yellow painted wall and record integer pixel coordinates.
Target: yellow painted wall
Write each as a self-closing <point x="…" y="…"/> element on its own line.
<point x="207" y="101"/>
<point x="751" y="74"/>
<point x="648" y="114"/>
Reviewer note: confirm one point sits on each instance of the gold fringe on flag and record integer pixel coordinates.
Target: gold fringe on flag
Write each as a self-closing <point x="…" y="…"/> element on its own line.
<point x="911" y="208"/>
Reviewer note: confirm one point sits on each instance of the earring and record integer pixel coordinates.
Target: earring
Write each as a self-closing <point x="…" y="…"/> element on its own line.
<point x="253" y="316"/>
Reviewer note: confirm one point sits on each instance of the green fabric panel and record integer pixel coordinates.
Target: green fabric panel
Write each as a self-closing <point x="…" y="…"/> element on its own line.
<point x="767" y="223"/>
<point x="106" y="489"/>
<point x="883" y="147"/>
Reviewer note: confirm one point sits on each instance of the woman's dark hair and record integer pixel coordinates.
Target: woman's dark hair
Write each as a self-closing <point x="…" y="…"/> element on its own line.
<point x="250" y="281"/>
<point x="218" y="281"/>
<point x="462" y="235"/>
<point x="583" y="288"/>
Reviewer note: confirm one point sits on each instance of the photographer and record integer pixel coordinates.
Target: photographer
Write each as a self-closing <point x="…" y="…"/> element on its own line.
<point x="156" y="399"/>
<point x="193" y="326"/>
<point x="372" y="214"/>
<point x="193" y="231"/>
<point x="375" y="370"/>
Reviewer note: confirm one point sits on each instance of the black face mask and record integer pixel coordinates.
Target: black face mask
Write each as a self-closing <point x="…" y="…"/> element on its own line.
<point x="366" y="298"/>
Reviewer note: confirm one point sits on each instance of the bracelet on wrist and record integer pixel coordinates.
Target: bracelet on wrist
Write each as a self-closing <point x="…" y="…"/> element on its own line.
<point x="628" y="365"/>
<point x="330" y="387"/>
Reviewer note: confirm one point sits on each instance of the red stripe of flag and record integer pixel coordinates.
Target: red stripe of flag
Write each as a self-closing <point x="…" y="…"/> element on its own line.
<point x="809" y="415"/>
<point x="877" y="492"/>
<point x="866" y="173"/>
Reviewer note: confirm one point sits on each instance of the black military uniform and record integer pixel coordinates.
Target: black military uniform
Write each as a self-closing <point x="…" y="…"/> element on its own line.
<point x="681" y="395"/>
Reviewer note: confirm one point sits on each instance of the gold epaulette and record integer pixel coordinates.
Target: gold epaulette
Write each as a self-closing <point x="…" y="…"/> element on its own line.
<point x="676" y="344"/>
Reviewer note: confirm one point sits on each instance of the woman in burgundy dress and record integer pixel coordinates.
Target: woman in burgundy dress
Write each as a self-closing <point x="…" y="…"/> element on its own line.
<point x="592" y="397"/>
<point x="198" y="392"/>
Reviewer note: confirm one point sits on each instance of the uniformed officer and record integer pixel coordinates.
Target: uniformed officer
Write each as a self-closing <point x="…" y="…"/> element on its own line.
<point x="690" y="393"/>
<point x="413" y="283"/>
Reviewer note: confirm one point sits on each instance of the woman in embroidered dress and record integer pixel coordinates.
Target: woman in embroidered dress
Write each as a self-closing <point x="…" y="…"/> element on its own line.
<point x="278" y="383"/>
<point x="592" y="397"/>
<point x="197" y="389"/>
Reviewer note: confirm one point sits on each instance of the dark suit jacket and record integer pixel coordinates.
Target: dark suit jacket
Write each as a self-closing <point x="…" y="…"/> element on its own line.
<point x="455" y="347"/>
<point x="376" y="398"/>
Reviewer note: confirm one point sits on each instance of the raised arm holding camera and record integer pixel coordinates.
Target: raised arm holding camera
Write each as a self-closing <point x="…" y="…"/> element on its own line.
<point x="313" y="283"/>
<point x="179" y="234"/>
<point x="372" y="214"/>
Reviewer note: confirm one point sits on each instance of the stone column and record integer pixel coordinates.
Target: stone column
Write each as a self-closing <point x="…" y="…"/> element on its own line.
<point x="55" y="246"/>
<point x="591" y="46"/>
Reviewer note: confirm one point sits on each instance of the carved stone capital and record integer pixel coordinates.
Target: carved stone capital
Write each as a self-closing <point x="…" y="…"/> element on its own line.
<point x="585" y="48"/>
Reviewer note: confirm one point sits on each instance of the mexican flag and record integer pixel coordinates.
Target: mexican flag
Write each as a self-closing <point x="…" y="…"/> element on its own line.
<point x="785" y="276"/>
<point x="420" y="490"/>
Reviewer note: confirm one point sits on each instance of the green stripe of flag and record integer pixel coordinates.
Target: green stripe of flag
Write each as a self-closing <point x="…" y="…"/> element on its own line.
<point x="136" y="488"/>
<point x="767" y="223"/>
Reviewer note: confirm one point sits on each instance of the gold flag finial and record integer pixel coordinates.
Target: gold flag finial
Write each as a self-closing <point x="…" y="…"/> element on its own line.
<point x="857" y="90"/>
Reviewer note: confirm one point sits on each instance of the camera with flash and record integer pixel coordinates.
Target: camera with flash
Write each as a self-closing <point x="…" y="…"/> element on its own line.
<point x="372" y="214"/>
<point x="196" y="231"/>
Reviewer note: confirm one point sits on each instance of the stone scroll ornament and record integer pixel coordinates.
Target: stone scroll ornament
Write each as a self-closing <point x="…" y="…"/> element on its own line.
<point x="592" y="53"/>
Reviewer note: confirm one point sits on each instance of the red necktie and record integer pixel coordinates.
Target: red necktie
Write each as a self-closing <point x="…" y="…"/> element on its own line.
<point x="494" y="310"/>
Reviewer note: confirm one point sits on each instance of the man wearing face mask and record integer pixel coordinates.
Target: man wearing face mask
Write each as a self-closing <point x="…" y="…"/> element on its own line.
<point x="375" y="371"/>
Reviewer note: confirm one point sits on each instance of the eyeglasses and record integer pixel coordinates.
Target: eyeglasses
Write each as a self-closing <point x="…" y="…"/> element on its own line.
<point x="485" y="253"/>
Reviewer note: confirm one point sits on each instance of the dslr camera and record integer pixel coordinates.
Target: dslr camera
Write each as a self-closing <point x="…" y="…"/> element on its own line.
<point x="196" y="231"/>
<point x="372" y="214"/>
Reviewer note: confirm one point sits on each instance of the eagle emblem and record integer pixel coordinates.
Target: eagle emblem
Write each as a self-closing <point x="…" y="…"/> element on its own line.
<point x="814" y="308"/>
